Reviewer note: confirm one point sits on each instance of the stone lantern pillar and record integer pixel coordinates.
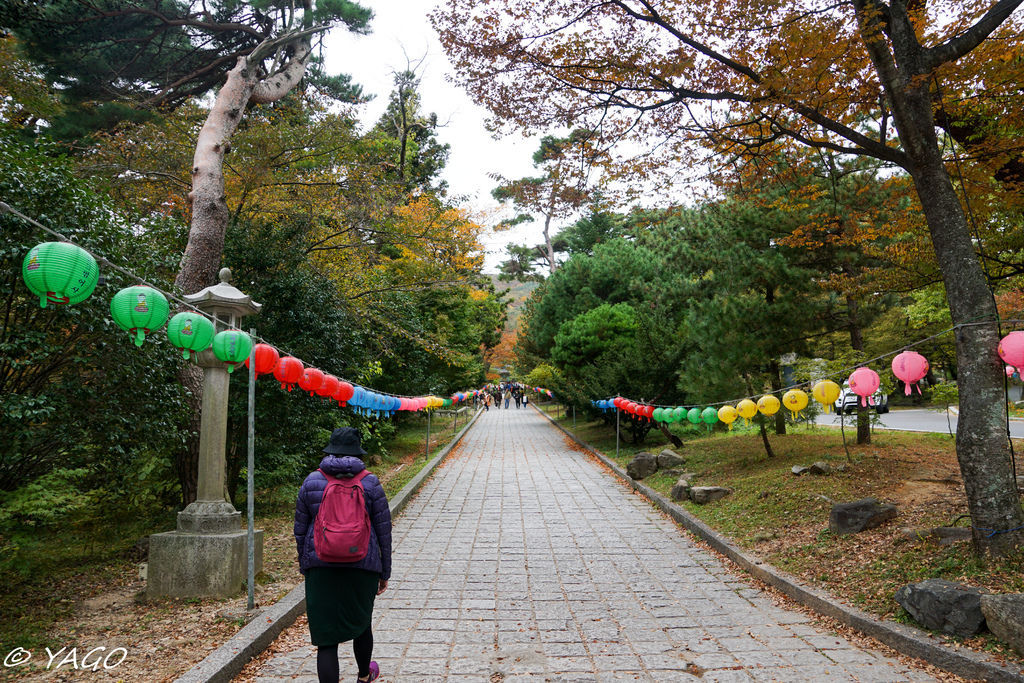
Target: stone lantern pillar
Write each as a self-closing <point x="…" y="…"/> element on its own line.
<point x="206" y="555"/>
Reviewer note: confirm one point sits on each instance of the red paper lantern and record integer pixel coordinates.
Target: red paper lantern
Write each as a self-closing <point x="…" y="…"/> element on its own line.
<point x="649" y="412"/>
<point x="911" y="367"/>
<point x="617" y="402"/>
<point x="288" y="371"/>
<point x="329" y="387"/>
<point x="311" y="380"/>
<point x="344" y="392"/>
<point x="864" y="382"/>
<point x="266" y="359"/>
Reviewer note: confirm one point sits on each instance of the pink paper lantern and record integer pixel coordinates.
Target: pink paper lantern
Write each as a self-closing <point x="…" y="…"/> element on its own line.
<point x="911" y="367"/>
<point x="864" y="382"/>
<point x="1011" y="349"/>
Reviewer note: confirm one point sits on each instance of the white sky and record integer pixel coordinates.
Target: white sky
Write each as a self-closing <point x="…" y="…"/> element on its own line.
<point x="400" y="29"/>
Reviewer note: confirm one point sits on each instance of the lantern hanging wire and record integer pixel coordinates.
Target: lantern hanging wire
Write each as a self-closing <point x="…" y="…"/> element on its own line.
<point x="106" y="263"/>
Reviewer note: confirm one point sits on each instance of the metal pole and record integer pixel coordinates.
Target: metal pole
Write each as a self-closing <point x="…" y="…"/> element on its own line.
<point x="426" y="454"/>
<point x="574" y="416"/>
<point x="617" y="432"/>
<point x="249" y="466"/>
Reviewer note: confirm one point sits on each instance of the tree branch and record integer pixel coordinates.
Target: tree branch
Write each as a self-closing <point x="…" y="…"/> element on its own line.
<point x="958" y="46"/>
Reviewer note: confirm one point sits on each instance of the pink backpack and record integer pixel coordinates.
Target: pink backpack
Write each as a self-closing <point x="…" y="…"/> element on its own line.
<point x="341" y="531"/>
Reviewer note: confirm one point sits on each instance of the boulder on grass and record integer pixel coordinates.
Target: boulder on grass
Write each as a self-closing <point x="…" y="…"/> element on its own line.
<point x="799" y="469"/>
<point x="820" y="467"/>
<point x="706" y="494"/>
<point x="859" y="515"/>
<point x="669" y="458"/>
<point x="680" y="490"/>
<point x="1005" y="617"/>
<point x="944" y="606"/>
<point x="642" y="465"/>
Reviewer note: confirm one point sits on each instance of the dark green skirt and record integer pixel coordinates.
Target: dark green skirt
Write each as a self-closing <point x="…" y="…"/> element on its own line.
<point x="339" y="603"/>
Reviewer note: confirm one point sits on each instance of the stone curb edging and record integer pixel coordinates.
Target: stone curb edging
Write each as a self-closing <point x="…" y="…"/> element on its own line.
<point x="221" y="665"/>
<point x="904" y="639"/>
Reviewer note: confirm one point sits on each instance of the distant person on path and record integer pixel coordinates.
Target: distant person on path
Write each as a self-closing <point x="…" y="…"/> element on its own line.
<point x="508" y="398"/>
<point x="517" y="395"/>
<point x="487" y="401"/>
<point x="526" y="398"/>
<point x="340" y="595"/>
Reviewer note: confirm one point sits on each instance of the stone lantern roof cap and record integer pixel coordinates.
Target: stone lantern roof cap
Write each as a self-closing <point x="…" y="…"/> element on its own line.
<point x="223" y="297"/>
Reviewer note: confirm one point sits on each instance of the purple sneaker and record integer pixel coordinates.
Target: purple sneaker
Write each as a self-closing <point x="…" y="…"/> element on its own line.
<point x="374" y="673"/>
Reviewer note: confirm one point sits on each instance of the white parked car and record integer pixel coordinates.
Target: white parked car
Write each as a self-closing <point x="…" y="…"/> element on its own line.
<point x="848" y="401"/>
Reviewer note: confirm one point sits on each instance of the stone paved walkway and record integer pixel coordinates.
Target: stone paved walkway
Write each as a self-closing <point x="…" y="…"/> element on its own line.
<point x="521" y="560"/>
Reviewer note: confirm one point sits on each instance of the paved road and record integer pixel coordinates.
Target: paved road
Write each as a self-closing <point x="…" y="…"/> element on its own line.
<point x="915" y="421"/>
<point x="521" y="560"/>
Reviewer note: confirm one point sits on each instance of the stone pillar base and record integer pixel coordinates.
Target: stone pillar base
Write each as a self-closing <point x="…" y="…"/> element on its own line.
<point x="185" y="564"/>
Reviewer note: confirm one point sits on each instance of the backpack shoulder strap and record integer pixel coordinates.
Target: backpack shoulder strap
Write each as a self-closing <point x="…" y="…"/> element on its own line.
<point x="359" y="477"/>
<point x="329" y="477"/>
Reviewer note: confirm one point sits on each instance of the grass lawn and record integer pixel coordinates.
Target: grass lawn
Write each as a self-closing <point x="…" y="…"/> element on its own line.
<point x="784" y="519"/>
<point x="82" y="588"/>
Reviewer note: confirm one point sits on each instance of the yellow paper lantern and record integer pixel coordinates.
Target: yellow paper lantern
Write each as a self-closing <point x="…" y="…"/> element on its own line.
<point x="746" y="409"/>
<point x="826" y="392"/>
<point x="795" y="400"/>
<point x="727" y="414"/>
<point x="768" y="405"/>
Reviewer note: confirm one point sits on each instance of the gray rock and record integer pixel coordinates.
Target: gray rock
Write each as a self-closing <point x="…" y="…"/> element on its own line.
<point x="944" y="606"/>
<point x="800" y="469"/>
<point x="859" y="515"/>
<point x="948" y="535"/>
<point x="943" y="535"/>
<point x="642" y="465"/>
<point x="669" y="458"/>
<point x="672" y="472"/>
<point x="820" y="467"/>
<point x="680" y="490"/>
<point x="1020" y="483"/>
<point x="706" y="494"/>
<point x="1005" y="617"/>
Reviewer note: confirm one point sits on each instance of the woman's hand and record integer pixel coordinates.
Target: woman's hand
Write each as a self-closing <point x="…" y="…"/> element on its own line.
<point x="382" y="586"/>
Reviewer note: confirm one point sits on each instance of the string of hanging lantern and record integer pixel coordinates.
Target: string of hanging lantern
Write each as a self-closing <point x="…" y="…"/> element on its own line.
<point x="64" y="273"/>
<point x="907" y="365"/>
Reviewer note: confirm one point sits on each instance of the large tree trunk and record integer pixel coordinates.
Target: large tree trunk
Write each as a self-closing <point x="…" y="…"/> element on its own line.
<point x="982" y="441"/>
<point x="210" y="215"/>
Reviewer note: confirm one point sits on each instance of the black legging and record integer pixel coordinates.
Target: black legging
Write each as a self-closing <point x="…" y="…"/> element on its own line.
<point x="327" y="658"/>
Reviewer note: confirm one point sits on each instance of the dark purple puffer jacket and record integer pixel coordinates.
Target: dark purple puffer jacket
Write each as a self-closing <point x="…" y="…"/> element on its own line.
<point x="378" y="559"/>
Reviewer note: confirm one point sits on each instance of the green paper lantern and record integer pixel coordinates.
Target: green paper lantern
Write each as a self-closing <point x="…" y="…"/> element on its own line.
<point x="190" y="332"/>
<point x="139" y="310"/>
<point x="232" y="347"/>
<point x="693" y="415"/>
<point x="679" y="414"/>
<point x="659" y="414"/>
<point x="60" y="273"/>
<point x="710" y="415"/>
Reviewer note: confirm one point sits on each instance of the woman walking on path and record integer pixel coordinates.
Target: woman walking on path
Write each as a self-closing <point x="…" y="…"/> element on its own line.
<point x="508" y="397"/>
<point x="340" y="595"/>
